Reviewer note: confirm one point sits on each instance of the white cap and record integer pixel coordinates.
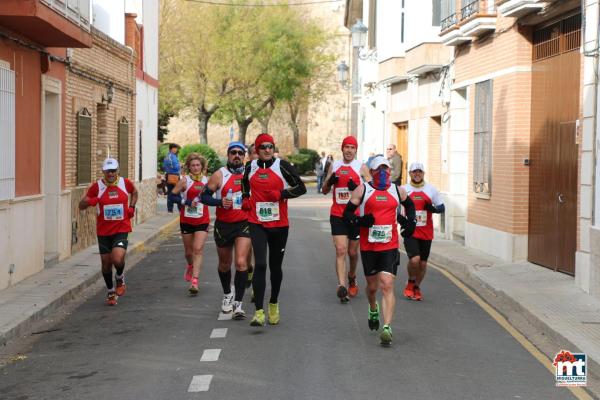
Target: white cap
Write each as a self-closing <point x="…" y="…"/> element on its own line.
<point x="110" y="163"/>
<point x="378" y="161"/>
<point x="416" y="166"/>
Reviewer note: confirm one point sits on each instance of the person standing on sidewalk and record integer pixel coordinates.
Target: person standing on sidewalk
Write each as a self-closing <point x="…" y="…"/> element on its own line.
<point x="231" y="228"/>
<point x="114" y="198"/>
<point x="172" y="173"/>
<point x="395" y="160"/>
<point x="320" y="172"/>
<point x="378" y="202"/>
<point x="343" y="177"/>
<point x="193" y="217"/>
<point x="427" y="201"/>
<point x="267" y="185"/>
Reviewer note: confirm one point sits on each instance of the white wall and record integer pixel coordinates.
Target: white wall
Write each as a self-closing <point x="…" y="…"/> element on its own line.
<point x="147" y="15"/>
<point x="418" y="23"/>
<point x="389" y="29"/>
<point x="146" y="120"/>
<point x="108" y="16"/>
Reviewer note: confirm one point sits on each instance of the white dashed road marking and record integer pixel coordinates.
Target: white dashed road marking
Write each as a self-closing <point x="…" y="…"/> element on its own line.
<point x="210" y="355"/>
<point x="218" y="333"/>
<point x="200" y="383"/>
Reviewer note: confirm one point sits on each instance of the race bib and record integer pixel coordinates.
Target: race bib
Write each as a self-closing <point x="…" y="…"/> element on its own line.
<point x="342" y="195"/>
<point x="237" y="200"/>
<point x="421" y="217"/>
<point x="380" y="234"/>
<point x="267" y="211"/>
<point x="113" y="212"/>
<point x="194" y="212"/>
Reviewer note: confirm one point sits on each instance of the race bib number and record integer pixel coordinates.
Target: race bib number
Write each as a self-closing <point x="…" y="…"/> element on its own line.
<point x="113" y="212"/>
<point x="267" y="211"/>
<point x="380" y="234"/>
<point x="421" y="217"/>
<point x="194" y="212"/>
<point x="342" y="195"/>
<point x="237" y="201"/>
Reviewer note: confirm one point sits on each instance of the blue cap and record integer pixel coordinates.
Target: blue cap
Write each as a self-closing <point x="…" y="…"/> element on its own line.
<point x="236" y="144"/>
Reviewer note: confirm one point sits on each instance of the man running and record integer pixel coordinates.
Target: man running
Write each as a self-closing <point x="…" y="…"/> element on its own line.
<point x="343" y="177"/>
<point x="427" y="201"/>
<point x="114" y="198"/>
<point x="252" y="155"/>
<point x="231" y="227"/>
<point x="378" y="202"/>
<point x="267" y="185"/>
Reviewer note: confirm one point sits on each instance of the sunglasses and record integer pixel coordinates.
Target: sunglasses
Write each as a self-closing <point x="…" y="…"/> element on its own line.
<point x="267" y="146"/>
<point x="112" y="171"/>
<point x="237" y="152"/>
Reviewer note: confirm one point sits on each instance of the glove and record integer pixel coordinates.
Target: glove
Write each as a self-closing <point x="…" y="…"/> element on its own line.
<point x="333" y="179"/>
<point x="351" y="185"/>
<point x="430" y="207"/>
<point x="366" y="221"/>
<point x="131" y="212"/>
<point x="246" y="204"/>
<point x="272" y="195"/>
<point x="408" y="227"/>
<point x="93" y="201"/>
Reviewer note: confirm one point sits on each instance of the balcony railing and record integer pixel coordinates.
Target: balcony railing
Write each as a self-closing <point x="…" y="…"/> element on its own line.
<point x="469" y="9"/>
<point x="448" y="22"/>
<point x="78" y="11"/>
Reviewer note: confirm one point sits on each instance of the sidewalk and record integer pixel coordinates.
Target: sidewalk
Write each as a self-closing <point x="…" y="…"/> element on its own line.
<point x="548" y="300"/>
<point x="30" y="300"/>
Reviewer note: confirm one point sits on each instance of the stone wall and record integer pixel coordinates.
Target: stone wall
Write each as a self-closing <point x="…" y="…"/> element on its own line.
<point x="146" y="205"/>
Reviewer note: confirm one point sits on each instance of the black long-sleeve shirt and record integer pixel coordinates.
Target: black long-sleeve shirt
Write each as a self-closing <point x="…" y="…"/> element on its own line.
<point x="296" y="186"/>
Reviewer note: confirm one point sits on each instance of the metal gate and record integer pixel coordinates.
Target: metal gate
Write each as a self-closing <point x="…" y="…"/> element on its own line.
<point x="7" y="134"/>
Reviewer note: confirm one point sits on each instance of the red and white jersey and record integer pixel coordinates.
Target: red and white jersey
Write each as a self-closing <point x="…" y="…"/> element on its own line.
<point x="194" y="215"/>
<point x="111" y="210"/>
<point x="231" y="182"/>
<point x="383" y="204"/>
<point x="263" y="211"/>
<point x="341" y="193"/>
<point x="421" y="196"/>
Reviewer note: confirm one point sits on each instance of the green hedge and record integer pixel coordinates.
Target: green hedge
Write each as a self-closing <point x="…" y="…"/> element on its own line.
<point x="304" y="160"/>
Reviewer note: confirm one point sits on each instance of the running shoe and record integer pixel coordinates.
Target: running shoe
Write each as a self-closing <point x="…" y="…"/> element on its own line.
<point x="342" y="294"/>
<point x="258" y="319"/>
<point x="194" y="287"/>
<point x="111" y="299"/>
<point x="386" y="336"/>
<point x="374" y="318"/>
<point x="417" y="294"/>
<point x="227" y="305"/>
<point x="249" y="281"/>
<point x="352" y="286"/>
<point x="409" y="289"/>
<point x="121" y="287"/>
<point x="188" y="273"/>
<point x="273" y="313"/>
<point x="238" y="312"/>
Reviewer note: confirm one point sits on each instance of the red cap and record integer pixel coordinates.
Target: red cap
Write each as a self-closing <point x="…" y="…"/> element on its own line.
<point x="263" y="138"/>
<point x="349" y="140"/>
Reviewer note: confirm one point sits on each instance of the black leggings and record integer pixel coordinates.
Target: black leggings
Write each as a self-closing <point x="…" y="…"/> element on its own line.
<point x="275" y="239"/>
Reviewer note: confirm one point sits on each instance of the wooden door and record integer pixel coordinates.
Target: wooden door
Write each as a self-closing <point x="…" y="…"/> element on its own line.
<point x="402" y="147"/>
<point x="553" y="149"/>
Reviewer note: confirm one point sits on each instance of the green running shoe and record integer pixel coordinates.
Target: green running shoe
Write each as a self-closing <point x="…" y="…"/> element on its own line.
<point x="374" y="318"/>
<point x="386" y="336"/>
<point x="273" y="313"/>
<point x="258" y="319"/>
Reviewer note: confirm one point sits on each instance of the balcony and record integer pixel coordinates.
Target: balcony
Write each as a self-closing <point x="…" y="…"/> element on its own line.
<point x="427" y="57"/>
<point x="519" y="8"/>
<point x="477" y="17"/>
<point x="392" y="70"/>
<point x="450" y="33"/>
<point x="51" y="23"/>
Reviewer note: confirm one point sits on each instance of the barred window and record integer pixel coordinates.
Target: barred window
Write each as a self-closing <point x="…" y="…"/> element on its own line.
<point x="7" y="133"/>
<point x="84" y="147"/>
<point x="123" y="147"/>
<point x="482" y="152"/>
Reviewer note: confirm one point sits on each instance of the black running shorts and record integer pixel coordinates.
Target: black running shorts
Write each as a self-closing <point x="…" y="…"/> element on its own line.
<point x="417" y="247"/>
<point x="375" y="262"/>
<point x="107" y="243"/>
<point x="339" y="227"/>
<point x="227" y="232"/>
<point x="187" y="228"/>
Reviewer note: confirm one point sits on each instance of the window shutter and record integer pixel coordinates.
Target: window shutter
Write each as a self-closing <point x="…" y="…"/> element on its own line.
<point x="84" y="147"/>
<point x="7" y="134"/>
<point x="482" y="160"/>
<point x="124" y="147"/>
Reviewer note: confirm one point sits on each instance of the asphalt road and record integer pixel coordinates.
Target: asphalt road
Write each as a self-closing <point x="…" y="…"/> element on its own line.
<point x="152" y="345"/>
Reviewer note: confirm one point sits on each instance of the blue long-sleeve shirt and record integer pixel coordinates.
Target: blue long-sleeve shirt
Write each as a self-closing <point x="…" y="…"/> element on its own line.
<point x="171" y="164"/>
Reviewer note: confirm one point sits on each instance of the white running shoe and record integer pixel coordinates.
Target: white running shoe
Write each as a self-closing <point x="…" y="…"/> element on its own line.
<point x="227" y="305"/>
<point x="238" y="312"/>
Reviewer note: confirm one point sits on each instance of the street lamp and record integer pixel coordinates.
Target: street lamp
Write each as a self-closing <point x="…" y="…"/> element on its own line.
<point x="359" y="41"/>
<point x="342" y="71"/>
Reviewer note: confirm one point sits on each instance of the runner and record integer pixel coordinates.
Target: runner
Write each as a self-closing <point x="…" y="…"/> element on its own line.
<point x="267" y="185"/>
<point x="231" y="227"/>
<point x="193" y="218"/>
<point x="344" y="176"/>
<point x="252" y="155"/>
<point x="378" y="202"/>
<point x="114" y="210"/>
<point x="427" y="200"/>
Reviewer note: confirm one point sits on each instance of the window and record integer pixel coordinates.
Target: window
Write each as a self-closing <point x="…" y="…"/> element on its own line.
<point x="447" y="14"/>
<point x="482" y="154"/>
<point x="7" y="133"/>
<point x="123" y="147"/>
<point x="372" y="32"/>
<point x="402" y="28"/>
<point x="84" y="147"/>
<point x="436" y="12"/>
